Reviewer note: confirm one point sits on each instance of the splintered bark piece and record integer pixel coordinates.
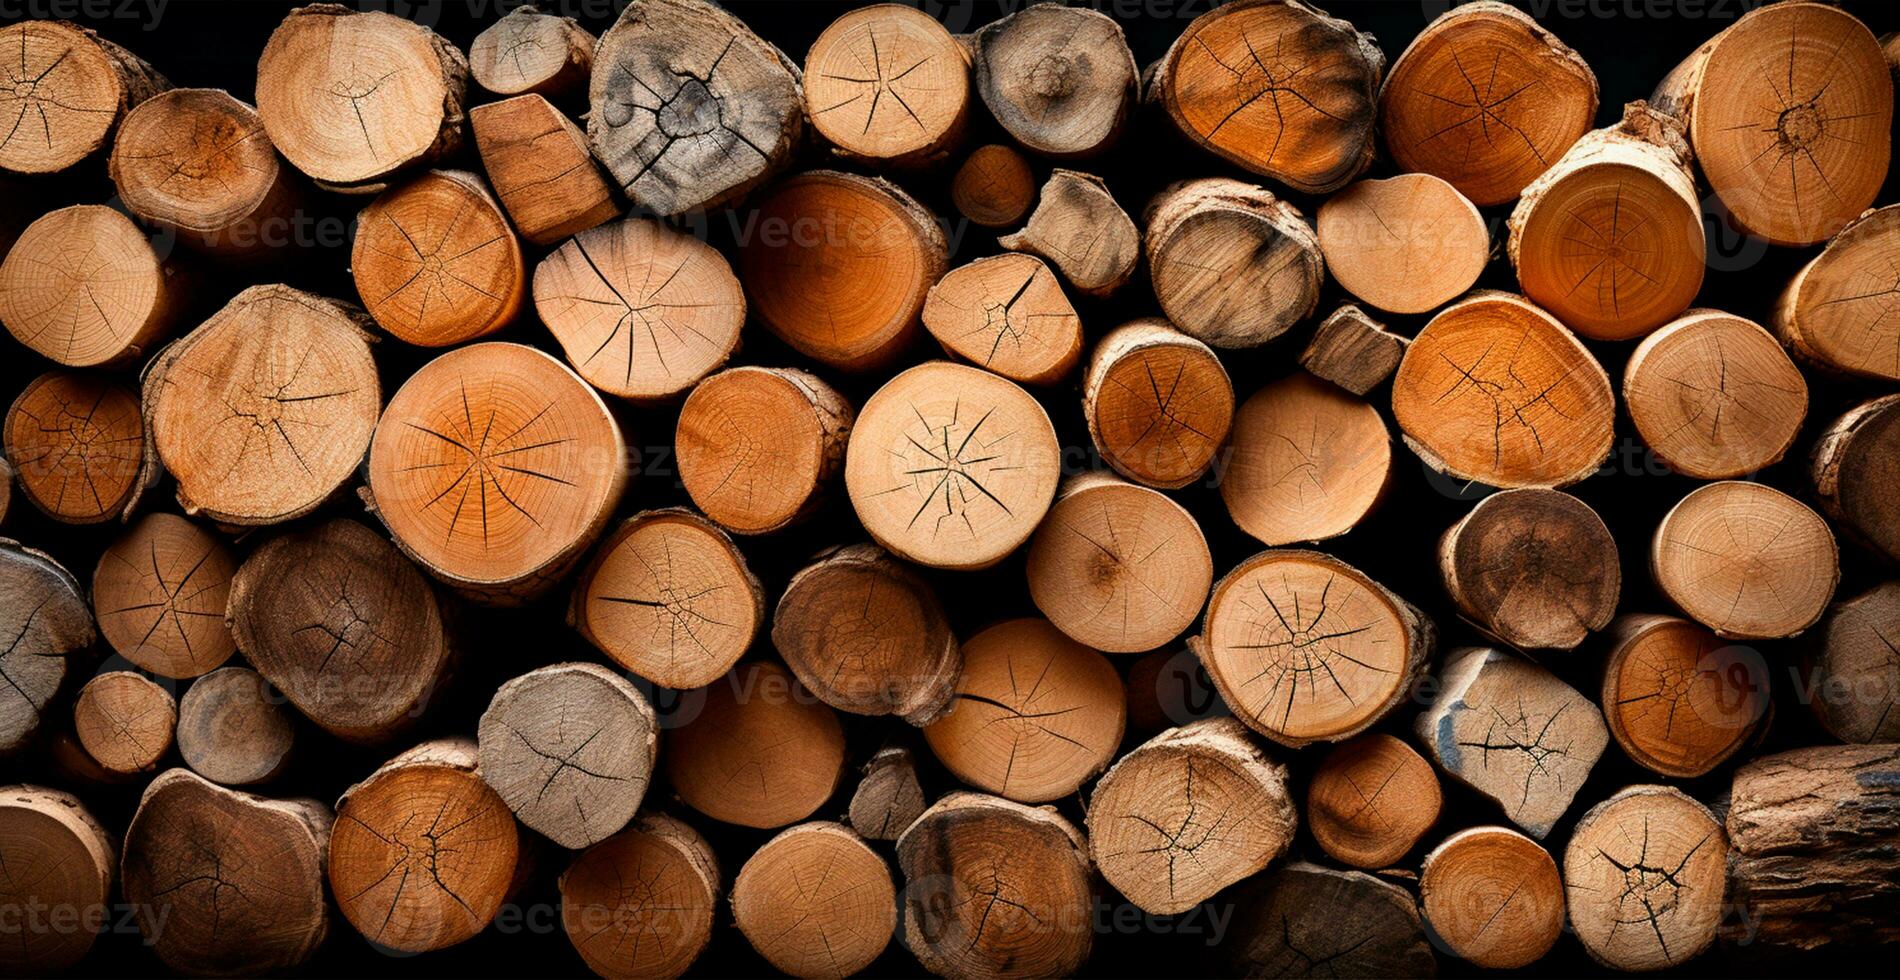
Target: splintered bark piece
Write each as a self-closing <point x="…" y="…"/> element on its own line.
<point x="1487" y="99"/>
<point x="951" y="466"/>
<point x="1006" y="313"/>
<point x="1275" y="87"/>
<point x="571" y="749"/>
<point x="669" y="596"/>
<point x="46" y="623"/>
<point x="1537" y="569"/>
<point x="1060" y="80"/>
<point x="893" y="58"/>
<point x="263" y="412"/>
<point x="889" y="796"/>
<point x="1353" y="351"/>
<point x="232" y="728"/>
<point x="1118" y="567"/>
<point x="1678" y="699"/>
<point x="1158" y="403"/>
<point x="1036" y="741"/>
<point x="1856" y="472"/>
<point x="1609" y="239"/>
<point x="1284" y="617"/>
<point x="1408" y="244"/>
<point x="1308" y="461"/>
<point x="60" y="859"/>
<point x="77" y="442"/>
<point x="1788" y="109"/>
<point x="1493" y="897"/>
<point x="1371" y="800"/>
<point x="1078" y="226"/>
<point x="816" y="902"/>
<point x="1231" y="264"/>
<point x="66" y="88"/>
<point x="436" y="262"/>
<point x="994" y="186"/>
<point x="224" y="883"/>
<point x="159" y="594"/>
<point x="1168" y="840"/>
<point x="335" y="618"/>
<point x="1304" y="920"/>
<point x="1643" y="878"/>
<point x="759" y="447"/>
<point x="424" y="852"/>
<point x="689" y="108"/>
<point x="1497" y="391"/>
<point x="762" y="753"/>
<point x="124" y="721"/>
<point x="1514" y="732"/>
<point x="1854" y="667"/>
<point x="1746" y="560"/>
<point x="1706" y="368"/>
<point x="495" y="467"/>
<point x="995" y="889"/>
<point x="533" y="53"/>
<point x="1835" y="312"/>
<point x="83" y="287"/>
<point x="866" y="635"/>
<point x="657" y="929"/>
<point x="540" y="165"/>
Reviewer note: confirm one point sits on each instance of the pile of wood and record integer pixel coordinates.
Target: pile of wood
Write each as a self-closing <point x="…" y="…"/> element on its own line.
<point x="957" y="549"/>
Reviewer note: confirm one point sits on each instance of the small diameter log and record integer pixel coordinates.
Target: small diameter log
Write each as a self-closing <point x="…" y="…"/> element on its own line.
<point x="77" y="442"/>
<point x="571" y="749"/>
<point x="47" y="622"/>
<point x="951" y="466"/>
<point x="1678" y="699"/>
<point x="1535" y="568"/>
<point x="1060" y="80"/>
<point x="866" y="635"/>
<point x="124" y="721"/>
<point x="1167" y="844"/>
<point x="424" y="852"/>
<point x="1306" y="920"/>
<point x="1493" y="897"/>
<point x="1158" y="403"/>
<point x="1036" y="741"/>
<point x="1706" y="368"/>
<point x="759" y="447"/>
<point x="1408" y="244"/>
<point x="994" y="186"/>
<point x="1371" y="800"/>
<point x="1353" y="351"/>
<point x="1008" y="314"/>
<point x="83" y="287"/>
<point x="1495" y="390"/>
<point x="1834" y="312"/>
<point x="816" y="902"/>
<point x="159" y="594"/>
<point x="1079" y="228"/>
<point x="689" y="109"/>
<point x="540" y="165"/>
<point x="656" y="930"/>
<point x="68" y="87"/>
<point x="436" y="262"/>
<point x="225" y="883"/>
<point x="1643" y="879"/>
<point x="1609" y="239"/>
<point x="889" y="797"/>
<point x="762" y="753"/>
<point x="533" y="53"/>
<point x="352" y="98"/>
<point x="1231" y="264"/>
<point x="1856" y="471"/>
<point x="669" y="596"/>
<point x="1792" y="155"/>
<point x="59" y="860"/>
<point x="263" y="412"/>
<point x="896" y="59"/>
<point x="1118" y="567"/>
<point x="1854" y="667"/>
<point x="1306" y="462"/>
<point x="1485" y="98"/>
<point x="1314" y="615"/>
<point x="1746" y="560"/>
<point x="1514" y="732"/>
<point x="995" y="889"/>
<point x="232" y="728"/>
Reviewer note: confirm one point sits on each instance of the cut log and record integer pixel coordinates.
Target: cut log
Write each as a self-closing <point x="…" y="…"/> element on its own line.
<point x="669" y="596"/>
<point x="1856" y="472"/>
<point x="1079" y="228"/>
<point x="1487" y="99"/>
<point x="1746" y="560"/>
<point x="7" y="475"/>
<point x="1306" y="462"/>
<point x="1679" y="700"/>
<point x="74" y="85"/>
<point x="436" y="262"/>
<point x="59" y="862"/>
<point x="1538" y="414"/>
<point x="1706" y="367"/>
<point x="657" y="930"/>
<point x="1118" y="567"/>
<point x="994" y="186"/>
<point x="528" y="52"/>
<point x="1353" y="351"/>
<point x="335" y="618"/>
<point x="949" y="485"/>
<point x="995" y="889"/>
<point x="195" y="855"/>
<point x="1792" y="155"/>
<point x="1408" y="244"/>
<point x="1167" y="844"/>
<point x="124" y="721"/>
<point x="540" y="165"/>
<point x="1643" y="879"/>
<point x="159" y="594"/>
<point x="762" y="752"/>
<point x="893" y="58"/>
<point x="1514" y="732"/>
<point x="689" y="108"/>
<point x="77" y="440"/>
<point x="1060" y="80"/>
<point x="759" y="447"/>
<point x="1854" y="667"/>
<point x="571" y="749"/>
<point x="263" y="413"/>
<point x="1609" y="239"/>
<point x="424" y="852"/>
<point x="1006" y="313"/>
<point x="45" y="615"/>
<point x="866" y="635"/>
<point x="1231" y="264"/>
<point x="1158" y="403"/>
<point x="1042" y="738"/>
<point x="816" y="902"/>
<point x="1493" y="897"/>
<point x="1537" y="569"/>
<point x="232" y="728"/>
<point x="84" y="288"/>
<point x="889" y="797"/>
<point x="1371" y="800"/>
<point x="1834" y="312"/>
<point x="1304" y="920"/>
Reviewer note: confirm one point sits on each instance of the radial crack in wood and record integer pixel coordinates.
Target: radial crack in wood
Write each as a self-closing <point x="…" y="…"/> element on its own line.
<point x="1158" y="403"/>
<point x="1643" y="878"/>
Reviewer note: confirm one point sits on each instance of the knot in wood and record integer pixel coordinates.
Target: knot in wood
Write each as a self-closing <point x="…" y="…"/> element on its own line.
<point x="692" y="110"/>
<point x="1053" y="76"/>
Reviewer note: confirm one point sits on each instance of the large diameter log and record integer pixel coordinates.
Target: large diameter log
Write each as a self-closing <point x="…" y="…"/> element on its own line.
<point x="67" y="88"/>
<point x="1493" y="897"/>
<point x="1371" y="800"/>
<point x="46" y="624"/>
<point x="1703" y="369"/>
<point x="1678" y="699"/>
<point x="232" y="728"/>
<point x="1306" y="461"/>
<point x="1352" y="350"/>
<point x="1745" y="560"/>
<point x="1643" y="879"/>
<point x="1158" y="403"/>
<point x="762" y="753"/>
<point x="77" y="442"/>
<point x="1856" y="471"/>
<point x="1230" y="263"/>
<point x="436" y="261"/>
<point x="1078" y="227"/>
<point x="60" y="862"/>
<point x="1834" y="312"/>
<point x="656" y="930"/>
<point x="159" y="593"/>
<point x="759" y="447"/>
<point x="541" y="168"/>
<point x="994" y="186"/>
<point x="125" y="721"/>
<point x="1304" y="920"/>
<point x="893" y="58"/>
<point x="1408" y="244"/>
<point x="1854" y="667"/>
<point x="84" y="287"/>
<point x="1060" y="80"/>
<point x="888" y="797"/>
<point x="815" y="901"/>
<point x="529" y="52"/>
<point x="1007" y="313"/>
<point x="1536" y="568"/>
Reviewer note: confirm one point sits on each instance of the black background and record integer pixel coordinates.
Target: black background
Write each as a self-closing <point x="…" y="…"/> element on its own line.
<point x="1631" y="44"/>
